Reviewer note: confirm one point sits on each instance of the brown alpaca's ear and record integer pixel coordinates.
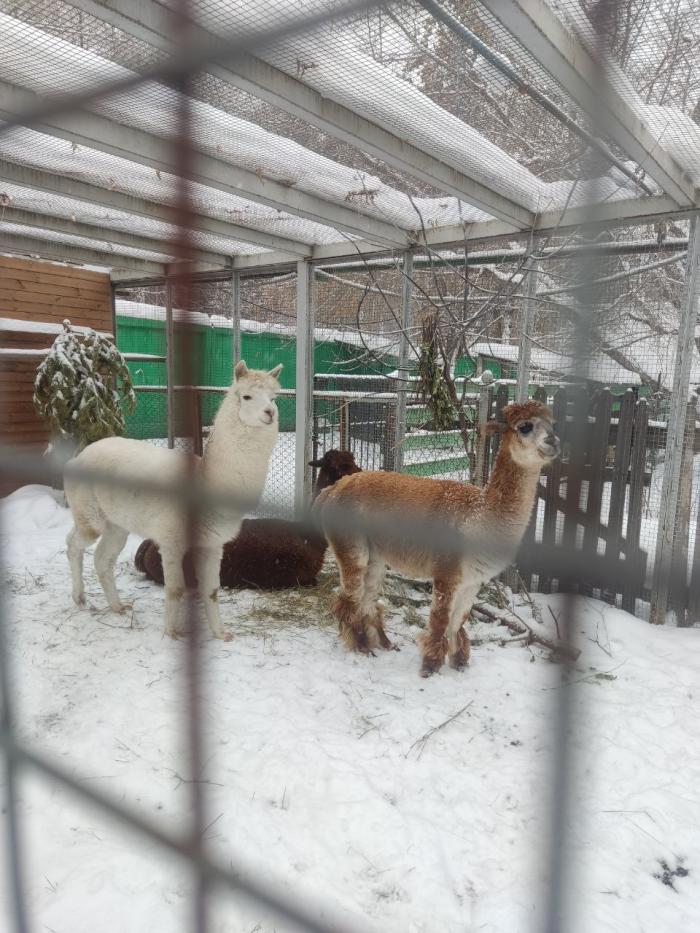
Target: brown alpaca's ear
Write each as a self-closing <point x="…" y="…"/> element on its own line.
<point x="316" y="463"/>
<point x="493" y="427"/>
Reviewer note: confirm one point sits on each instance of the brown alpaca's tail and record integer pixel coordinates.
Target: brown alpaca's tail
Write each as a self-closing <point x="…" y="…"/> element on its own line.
<point x="140" y="558"/>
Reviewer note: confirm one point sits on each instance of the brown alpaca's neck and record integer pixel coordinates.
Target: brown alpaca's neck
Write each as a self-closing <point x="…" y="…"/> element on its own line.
<point x="510" y="492"/>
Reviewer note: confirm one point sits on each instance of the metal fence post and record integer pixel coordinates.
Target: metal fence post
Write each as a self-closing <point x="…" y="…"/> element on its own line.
<point x="304" y="383"/>
<point x="170" y="362"/>
<point x="675" y="430"/>
<point x="404" y="346"/>
<point x="527" y="319"/>
<point x="236" y="315"/>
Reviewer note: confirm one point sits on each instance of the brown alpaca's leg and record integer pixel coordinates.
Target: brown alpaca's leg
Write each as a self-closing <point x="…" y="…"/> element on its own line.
<point x="348" y="605"/>
<point x="153" y="564"/>
<point x="457" y="638"/>
<point x="434" y="642"/>
<point x="374" y="578"/>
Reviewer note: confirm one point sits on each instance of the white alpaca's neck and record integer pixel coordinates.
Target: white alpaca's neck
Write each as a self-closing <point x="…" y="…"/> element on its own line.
<point x="237" y="455"/>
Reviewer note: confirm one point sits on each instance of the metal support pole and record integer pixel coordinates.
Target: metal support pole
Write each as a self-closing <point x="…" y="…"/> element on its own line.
<point x="170" y="362"/>
<point x="404" y="346"/>
<point x="304" y="383"/>
<point x="236" y="315"/>
<point x="527" y="320"/>
<point x="675" y="429"/>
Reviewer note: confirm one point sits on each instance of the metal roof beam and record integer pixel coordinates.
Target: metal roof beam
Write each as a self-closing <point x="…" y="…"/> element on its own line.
<point x="611" y="214"/>
<point x="151" y="22"/>
<point x="123" y="238"/>
<point x="537" y="29"/>
<point x="64" y="252"/>
<point x="98" y="132"/>
<point x="112" y="199"/>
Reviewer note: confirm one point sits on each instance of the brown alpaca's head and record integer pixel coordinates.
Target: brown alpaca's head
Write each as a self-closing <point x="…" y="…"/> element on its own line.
<point x="332" y="466"/>
<point x="528" y="433"/>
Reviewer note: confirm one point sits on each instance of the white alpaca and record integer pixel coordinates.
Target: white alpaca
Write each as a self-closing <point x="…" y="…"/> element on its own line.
<point x="235" y="462"/>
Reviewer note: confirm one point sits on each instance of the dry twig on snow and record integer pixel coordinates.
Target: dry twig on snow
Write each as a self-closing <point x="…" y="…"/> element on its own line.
<point x="558" y="648"/>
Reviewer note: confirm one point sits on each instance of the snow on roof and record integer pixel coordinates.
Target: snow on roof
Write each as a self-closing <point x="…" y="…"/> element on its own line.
<point x="11" y="352"/>
<point x="150" y="312"/>
<point x="600" y="368"/>
<point x="33" y="61"/>
<point x="678" y="133"/>
<point x="332" y="61"/>
<point x="17" y="326"/>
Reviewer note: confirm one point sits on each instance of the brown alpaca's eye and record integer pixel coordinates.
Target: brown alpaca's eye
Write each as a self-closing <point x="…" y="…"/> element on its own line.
<point x="525" y="427"/>
<point x="247" y="398"/>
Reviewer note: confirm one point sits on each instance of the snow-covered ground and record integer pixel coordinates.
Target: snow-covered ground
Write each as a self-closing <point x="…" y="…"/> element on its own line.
<point x="322" y="772"/>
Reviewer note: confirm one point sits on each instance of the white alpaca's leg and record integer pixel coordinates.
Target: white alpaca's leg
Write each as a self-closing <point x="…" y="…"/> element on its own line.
<point x="174" y="582"/>
<point x="78" y="539"/>
<point x="108" y="549"/>
<point x="208" y="569"/>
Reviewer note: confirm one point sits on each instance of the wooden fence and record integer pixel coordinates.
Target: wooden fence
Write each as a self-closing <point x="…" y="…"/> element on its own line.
<point x="592" y="499"/>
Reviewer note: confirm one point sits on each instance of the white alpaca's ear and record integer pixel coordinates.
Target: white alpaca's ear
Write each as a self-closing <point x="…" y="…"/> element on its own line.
<point x="240" y="370"/>
<point x="277" y="370"/>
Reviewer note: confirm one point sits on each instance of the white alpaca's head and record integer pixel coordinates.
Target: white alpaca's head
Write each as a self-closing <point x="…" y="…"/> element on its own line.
<point x="528" y="434"/>
<point x="255" y="391"/>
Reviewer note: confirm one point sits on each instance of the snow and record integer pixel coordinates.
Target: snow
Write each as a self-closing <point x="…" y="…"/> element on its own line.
<point x="10" y="353"/>
<point x="598" y="368"/>
<point x="150" y="312"/>
<point x="85" y="266"/>
<point x="17" y="326"/>
<point x="317" y="776"/>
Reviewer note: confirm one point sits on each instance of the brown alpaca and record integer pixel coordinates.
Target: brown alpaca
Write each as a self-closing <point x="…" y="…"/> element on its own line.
<point x="268" y="553"/>
<point x="500" y="510"/>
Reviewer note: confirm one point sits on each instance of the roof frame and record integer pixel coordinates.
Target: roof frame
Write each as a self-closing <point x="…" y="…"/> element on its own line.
<point x="113" y="238"/>
<point x="607" y="215"/>
<point x="137" y="146"/>
<point x="113" y="199"/>
<point x="536" y="27"/>
<point x="151" y="22"/>
<point x="105" y="135"/>
<point x="68" y="253"/>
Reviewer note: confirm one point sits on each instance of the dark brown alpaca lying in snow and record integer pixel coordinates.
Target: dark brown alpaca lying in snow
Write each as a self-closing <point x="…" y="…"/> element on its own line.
<point x="494" y="518"/>
<point x="268" y="553"/>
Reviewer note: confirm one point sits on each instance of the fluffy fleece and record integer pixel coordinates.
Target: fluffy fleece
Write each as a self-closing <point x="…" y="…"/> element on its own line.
<point x="235" y="462"/>
<point x="268" y="553"/>
<point x="494" y="519"/>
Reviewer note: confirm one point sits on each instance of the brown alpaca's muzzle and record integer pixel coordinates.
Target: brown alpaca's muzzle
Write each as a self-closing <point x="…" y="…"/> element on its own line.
<point x="551" y="447"/>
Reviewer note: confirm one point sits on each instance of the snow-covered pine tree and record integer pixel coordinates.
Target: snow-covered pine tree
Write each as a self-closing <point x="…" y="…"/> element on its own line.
<point x="83" y="387"/>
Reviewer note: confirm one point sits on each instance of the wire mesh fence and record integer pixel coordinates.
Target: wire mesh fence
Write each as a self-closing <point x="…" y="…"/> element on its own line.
<point x="400" y="358"/>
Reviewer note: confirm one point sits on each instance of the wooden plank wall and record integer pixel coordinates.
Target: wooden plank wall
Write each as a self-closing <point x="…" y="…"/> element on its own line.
<point x="48" y="293"/>
<point x="613" y="450"/>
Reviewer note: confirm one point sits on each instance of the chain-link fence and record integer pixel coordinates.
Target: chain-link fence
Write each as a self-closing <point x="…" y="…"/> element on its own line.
<point x="502" y="315"/>
<point x="255" y="196"/>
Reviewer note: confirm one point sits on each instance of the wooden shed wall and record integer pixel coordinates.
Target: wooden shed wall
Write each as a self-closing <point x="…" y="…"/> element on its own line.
<point x="43" y="293"/>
